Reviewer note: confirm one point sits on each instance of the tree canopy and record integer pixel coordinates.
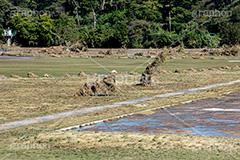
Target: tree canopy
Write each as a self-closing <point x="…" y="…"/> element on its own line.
<point x="117" y="23"/>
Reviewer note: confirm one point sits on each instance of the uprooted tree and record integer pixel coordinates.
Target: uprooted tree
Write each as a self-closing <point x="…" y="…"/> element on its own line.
<point x="147" y="75"/>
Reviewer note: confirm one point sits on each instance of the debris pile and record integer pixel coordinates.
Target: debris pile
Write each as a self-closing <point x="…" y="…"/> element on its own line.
<point x="230" y="50"/>
<point x="235" y="67"/>
<point x="114" y="72"/>
<point x="106" y="52"/>
<point x="65" y="75"/>
<point x="122" y="51"/>
<point x="3" y="77"/>
<point x="178" y="71"/>
<point x="192" y="70"/>
<point x="47" y="75"/>
<point x="178" y="49"/>
<point x="133" y="73"/>
<point x="172" y="57"/>
<point x="226" y="67"/>
<point x="147" y="75"/>
<point x="81" y="73"/>
<point x="139" y="54"/>
<point x="206" y="50"/>
<point x="31" y="75"/>
<point x="14" y="76"/>
<point x="56" y="51"/>
<point x="77" y="47"/>
<point x="151" y="52"/>
<point x="227" y="50"/>
<point x="106" y="86"/>
<point x="163" y="72"/>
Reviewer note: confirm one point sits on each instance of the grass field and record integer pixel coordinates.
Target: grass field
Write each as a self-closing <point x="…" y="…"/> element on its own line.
<point x="31" y="97"/>
<point x="59" y="66"/>
<point x="120" y="146"/>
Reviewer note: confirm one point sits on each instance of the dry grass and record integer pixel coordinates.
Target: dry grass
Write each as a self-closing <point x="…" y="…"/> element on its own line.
<point x="66" y="145"/>
<point x="32" y="97"/>
<point x="89" y="145"/>
<point x="147" y="141"/>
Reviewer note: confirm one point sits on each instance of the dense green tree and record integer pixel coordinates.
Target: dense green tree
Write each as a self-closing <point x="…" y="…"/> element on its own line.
<point x="66" y="30"/>
<point x="230" y="33"/>
<point x="26" y="29"/>
<point x="4" y="12"/>
<point x="45" y="29"/>
<point x="147" y="10"/>
<point x="32" y="31"/>
<point x="114" y="23"/>
<point x="120" y="36"/>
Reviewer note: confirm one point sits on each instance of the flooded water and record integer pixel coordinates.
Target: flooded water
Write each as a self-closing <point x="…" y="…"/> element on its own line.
<point x="15" y="58"/>
<point x="3" y="87"/>
<point x="195" y="118"/>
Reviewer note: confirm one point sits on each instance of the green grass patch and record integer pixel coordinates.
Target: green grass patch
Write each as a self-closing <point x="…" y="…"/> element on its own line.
<point x="59" y="66"/>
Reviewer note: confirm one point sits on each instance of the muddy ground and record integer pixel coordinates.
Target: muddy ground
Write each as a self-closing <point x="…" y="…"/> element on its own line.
<point x="215" y="117"/>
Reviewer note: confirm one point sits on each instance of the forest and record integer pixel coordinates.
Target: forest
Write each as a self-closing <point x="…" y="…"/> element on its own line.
<point x="122" y="23"/>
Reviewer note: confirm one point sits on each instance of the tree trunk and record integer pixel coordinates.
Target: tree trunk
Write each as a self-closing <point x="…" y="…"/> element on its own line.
<point x="77" y="12"/>
<point x="95" y="20"/>
<point x="111" y="3"/>
<point x="103" y="4"/>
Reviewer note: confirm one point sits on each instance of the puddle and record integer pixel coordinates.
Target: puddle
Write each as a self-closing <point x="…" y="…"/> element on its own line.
<point x="3" y="87"/>
<point x="206" y="131"/>
<point x="234" y="61"/>
<point x="16" y="58"/>
<point x="222" y="110"/>
<point x="184" y="119"/>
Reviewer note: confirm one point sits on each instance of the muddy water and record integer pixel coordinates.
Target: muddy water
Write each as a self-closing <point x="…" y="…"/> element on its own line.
<point x="15" y="58"/>
<point x="198" y="118"/>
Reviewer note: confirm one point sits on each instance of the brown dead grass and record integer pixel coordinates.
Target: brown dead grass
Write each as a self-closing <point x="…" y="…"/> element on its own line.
<point x="89" y="140"/>
<point x="26" y="98"/>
